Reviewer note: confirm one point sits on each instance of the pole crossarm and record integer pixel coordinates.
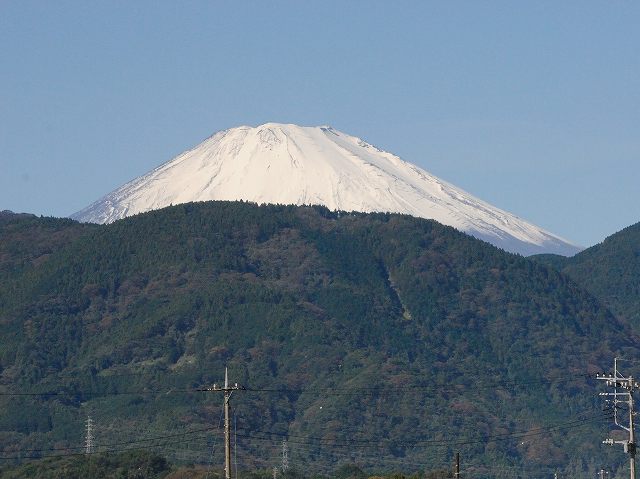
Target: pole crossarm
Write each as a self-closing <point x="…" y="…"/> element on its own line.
<point x="216" y="388"/>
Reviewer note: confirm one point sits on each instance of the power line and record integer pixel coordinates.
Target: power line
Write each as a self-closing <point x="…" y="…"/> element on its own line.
<point x="311" y="442"/>
<point x="213" y="447"/>
<point x="98" y="394"/>
<point x="116" y="444"/>
<point x="114" y="447"/>
<point x="314" y="440"/>
<point x="347" y="391"/>
<point x="318" y="442"/>
<point x="43" y="456"/>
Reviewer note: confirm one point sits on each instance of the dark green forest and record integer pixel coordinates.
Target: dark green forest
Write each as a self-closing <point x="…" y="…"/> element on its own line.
<point x="610" y="271"/>
<point x="146" y="465"/>
<point x="375" y="339"/>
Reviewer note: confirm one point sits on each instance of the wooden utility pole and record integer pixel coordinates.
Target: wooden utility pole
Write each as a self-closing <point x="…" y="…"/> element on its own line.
<point x="227" y="390"/>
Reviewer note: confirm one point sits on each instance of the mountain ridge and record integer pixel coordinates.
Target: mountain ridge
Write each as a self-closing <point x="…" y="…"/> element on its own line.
<point x="288" y="164"/>
<point x="610" y="270"/>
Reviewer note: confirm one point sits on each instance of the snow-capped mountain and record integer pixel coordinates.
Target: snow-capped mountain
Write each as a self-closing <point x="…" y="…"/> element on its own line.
<point x="290" y="164"/>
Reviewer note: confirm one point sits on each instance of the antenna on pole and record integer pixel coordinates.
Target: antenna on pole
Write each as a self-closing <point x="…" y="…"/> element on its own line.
<point x="623" y="389"/>
<point x="88" y="438"/>
<point x="227" y="390"/>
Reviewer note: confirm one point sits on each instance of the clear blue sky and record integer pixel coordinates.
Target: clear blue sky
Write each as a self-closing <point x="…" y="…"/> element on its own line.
<point x="533" y="106"/>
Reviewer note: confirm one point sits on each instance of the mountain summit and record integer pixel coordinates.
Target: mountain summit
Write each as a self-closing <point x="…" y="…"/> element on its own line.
<point x="290" y="164"/>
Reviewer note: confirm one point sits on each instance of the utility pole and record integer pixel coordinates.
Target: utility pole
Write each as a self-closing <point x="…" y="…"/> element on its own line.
<point x="456" y="473"/>
<point x="602" y="474"/>
<point x="227" y="390"/>
<point x="88" y="438"/>
<point x="623" y="389"/>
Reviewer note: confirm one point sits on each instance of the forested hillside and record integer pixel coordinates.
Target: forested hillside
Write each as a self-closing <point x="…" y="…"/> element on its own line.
<point x="145" y="465"/>
<point x="610" y="271"/>
<point x="384" y="340"/>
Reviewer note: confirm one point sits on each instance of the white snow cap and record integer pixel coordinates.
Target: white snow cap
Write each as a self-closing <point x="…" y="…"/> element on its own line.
<point x="290" y="164"/>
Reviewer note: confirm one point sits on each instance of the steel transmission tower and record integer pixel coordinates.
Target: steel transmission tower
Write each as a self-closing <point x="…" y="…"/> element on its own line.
<point x="622" y="395"/>
<point x="88" y="438"/>
<point x="285" y="456"/>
